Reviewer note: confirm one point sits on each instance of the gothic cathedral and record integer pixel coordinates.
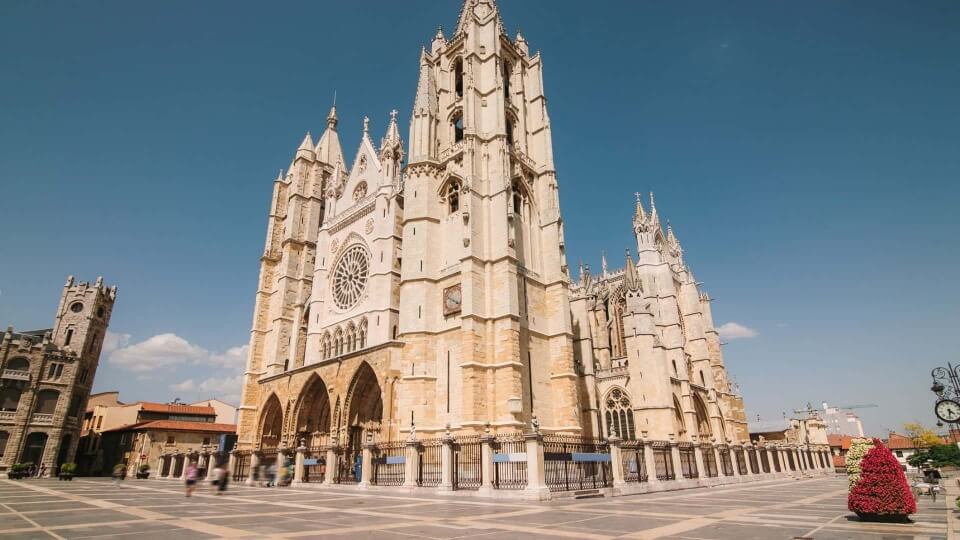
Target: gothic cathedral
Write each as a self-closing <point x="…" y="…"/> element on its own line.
<point x="428" y="290"/>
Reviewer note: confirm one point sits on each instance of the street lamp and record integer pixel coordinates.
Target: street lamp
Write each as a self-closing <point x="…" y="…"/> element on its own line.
<point x="946" y="386"/>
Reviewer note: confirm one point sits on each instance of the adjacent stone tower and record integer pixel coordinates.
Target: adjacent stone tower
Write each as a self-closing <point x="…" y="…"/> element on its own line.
<point x="484" y="311"/>
<point x="47" y="376"/>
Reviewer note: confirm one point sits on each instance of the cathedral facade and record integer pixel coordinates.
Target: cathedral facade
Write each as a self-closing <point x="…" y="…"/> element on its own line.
<point x="424" y="288"/>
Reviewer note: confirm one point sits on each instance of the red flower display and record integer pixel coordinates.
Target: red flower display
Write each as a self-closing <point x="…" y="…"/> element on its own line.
<point x="882" y="491"/>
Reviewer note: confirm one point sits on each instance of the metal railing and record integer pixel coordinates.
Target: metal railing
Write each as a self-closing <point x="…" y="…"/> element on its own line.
<point x="688" y="461"/>
<point x="764" y="460"/>
<point x="241" y="468"/>
<point x="633" y="462"/>
<point x="663" y="461"/>
<point x="315" y="465"/>
<point x="754" y="466"/>
<point x="709" y="461"/>
<point x="510" y="461"/>
<point x="574" y="463"/>
<point x="776" y="460"/>
<point x="429" y="465"/>
<point x="467" y="463"/>
<point x="741" y="460"/>
<point x="389" y="464"/>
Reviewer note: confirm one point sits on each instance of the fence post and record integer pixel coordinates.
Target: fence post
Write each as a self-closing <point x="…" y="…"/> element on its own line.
<point x="698" y="459"/>
<point x="366" y="464"/>
<point x="298" y="464"/>
<point x="650" y="462"/>
<point x="410" y="468"/>
<point x="677" y="463"/>
<point x="446" y="463"/>
<point x="254" y="464"/>
<point x="733" y="460"/>
<point x="486" y="462"/>
<point x="232" y="464"/>
<point x="211" y="464"/>
<point x="616" y="461"/>
<point x="536" y="483"/>
<point x="332" y="465"/>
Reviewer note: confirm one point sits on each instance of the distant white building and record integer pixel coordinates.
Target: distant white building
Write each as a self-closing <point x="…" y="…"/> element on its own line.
<point x="840" y="422"/>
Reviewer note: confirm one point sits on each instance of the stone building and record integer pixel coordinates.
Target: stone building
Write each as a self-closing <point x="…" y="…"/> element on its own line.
<point x="47" y="375"/>
<point x="427" y="288"/>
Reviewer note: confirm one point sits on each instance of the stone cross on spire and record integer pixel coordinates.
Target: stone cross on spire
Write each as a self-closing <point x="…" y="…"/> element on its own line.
<point x="366" y="124"/>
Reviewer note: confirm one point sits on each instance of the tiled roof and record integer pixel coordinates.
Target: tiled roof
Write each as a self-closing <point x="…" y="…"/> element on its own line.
<point x="177" y="425"/>
<point x="176" y="409"/>
<point x="900" y="442"/>
<point x="841" y="441"/>
<point x="839" y="461"/>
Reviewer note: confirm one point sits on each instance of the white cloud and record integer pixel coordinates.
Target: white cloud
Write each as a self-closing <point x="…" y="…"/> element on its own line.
<point x="113" y="341"/>
<point x="234" y="357"/>
<point x="223" y="388"/>
<point x="732" y="330"/>
<point x="160" y="351"/>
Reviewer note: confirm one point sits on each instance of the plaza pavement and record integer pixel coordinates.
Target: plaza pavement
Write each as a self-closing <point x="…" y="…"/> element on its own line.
<point x="94" y="508"/>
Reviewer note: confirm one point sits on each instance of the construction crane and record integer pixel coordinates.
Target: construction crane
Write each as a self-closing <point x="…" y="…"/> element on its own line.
<point x="810" y="409"/>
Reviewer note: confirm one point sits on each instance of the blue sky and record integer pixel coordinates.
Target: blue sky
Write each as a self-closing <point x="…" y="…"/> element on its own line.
<point x="808" y="155"/>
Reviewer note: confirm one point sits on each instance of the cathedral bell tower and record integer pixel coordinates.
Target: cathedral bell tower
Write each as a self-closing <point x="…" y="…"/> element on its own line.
<point x="484" y="300"/>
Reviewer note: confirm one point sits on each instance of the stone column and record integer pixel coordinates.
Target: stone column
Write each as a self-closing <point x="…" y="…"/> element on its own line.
<point x="410" y="463"/>
<point x="650" y="463"/>
<point x="698" y="459"/>
<point x="733" y="461"/>
<point x="366" y="464"/>
<point x="536" y="482"/>
<point x="232" y="464"/>
<point x="211" y="465"/>
<point x="332" y="465"/>
<point x="675" y="456"/>
<point x="616" y="461"/>
<point x="486" y="463"/>
<point x="446" y="464"/>
<point x="254" y="463"/>
<point x="298" y="464"/>
<point x="746" y="457"/>
<point x="186" y="464"/>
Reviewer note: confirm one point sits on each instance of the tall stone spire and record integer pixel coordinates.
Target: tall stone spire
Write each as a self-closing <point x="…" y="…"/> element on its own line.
<point x="426" y="100"/>
<point x="481" y="9"/>
<point x="392" y="137"/>
<point x="426" y="114"/>
<point x="603" y="263"/>
<point x="306" y="147"/>
<point x="639" y="214"/>
<point x="654" y="218"/>
<point x="391" y="150"/>
<point x="328" y="149"/>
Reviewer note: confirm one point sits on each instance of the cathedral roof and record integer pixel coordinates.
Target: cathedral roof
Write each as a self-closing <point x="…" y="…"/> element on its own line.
<point x="328" y="149"/>
<point x="426" y="101"/>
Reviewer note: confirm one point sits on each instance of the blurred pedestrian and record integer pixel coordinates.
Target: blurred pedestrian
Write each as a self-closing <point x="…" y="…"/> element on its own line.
<point x="221" y="478"/>
<point x="191" y="477"/>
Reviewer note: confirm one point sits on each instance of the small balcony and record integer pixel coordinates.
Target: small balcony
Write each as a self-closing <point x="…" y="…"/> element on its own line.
<point x="7" y="416"/>
<point x="42" y="419"/>
<point x="16" y="375"/>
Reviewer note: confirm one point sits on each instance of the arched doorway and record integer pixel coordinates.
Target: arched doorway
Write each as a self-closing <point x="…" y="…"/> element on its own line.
<point x="619" y="415"/>
<point x="313" y="414"/>
<point x="364" y="409"/>
<point x="679" y="425"/>
<point x="271" y="423"/>
<point x="34" y="447"/>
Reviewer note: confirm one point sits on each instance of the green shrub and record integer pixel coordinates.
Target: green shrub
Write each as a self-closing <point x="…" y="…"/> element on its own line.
<point x="144" y="468"/>
<point x="68" y="468"/>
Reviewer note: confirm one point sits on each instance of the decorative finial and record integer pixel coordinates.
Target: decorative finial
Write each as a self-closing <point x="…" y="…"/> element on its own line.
<point x="393" y="115"/>
<point x="366" y="124"/>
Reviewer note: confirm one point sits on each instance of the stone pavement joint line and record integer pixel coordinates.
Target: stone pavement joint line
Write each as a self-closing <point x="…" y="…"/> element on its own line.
<point x="97" y="510"/>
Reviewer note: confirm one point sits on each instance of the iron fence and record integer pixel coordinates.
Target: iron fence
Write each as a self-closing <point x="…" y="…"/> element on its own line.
<point x="754" y="466"/>
<point x="467" y="463"/>
<point x="741" y="460"/>
<point x="663" y="461"/>
<point x="429" y="469"/>
<point x="573" y="463"/>
<point x="764" y="460"/>
<point x="688" y="461"/>
<point x="315" y="466"/>
<point x="726" y="462"/>
<point x="790" y="462"/>
<point x="348" y="468"/>
<point x="510" y="461"/>
<point x="776" y="460"/>
<point x="241" y="466"/>
<point x="389" y="464"/>
<point x="633" y="462"/>
<point x="709" y="461"/>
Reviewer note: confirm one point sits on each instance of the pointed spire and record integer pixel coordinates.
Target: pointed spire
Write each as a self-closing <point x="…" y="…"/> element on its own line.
<point x="328" y="148"/>
<point x="307" y="143"/>
<point x="366" y="125"/>
<point x="630" y="279"/>
<point x="603" y="263"/>
<point x="280" y="176"/>
<point x="654" y="218"/>
<point x="332" y="117"/>
<point x="392" y="137"/>
<point x="480" y="8"/>
<point x="426" y="100"/>
<point x="440" y="34"/>
<point x="639" y="214"/>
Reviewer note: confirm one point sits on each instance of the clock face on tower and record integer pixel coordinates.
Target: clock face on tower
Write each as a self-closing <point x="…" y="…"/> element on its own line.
<point x="948" y="410"/>
<point x="451" y="300"/>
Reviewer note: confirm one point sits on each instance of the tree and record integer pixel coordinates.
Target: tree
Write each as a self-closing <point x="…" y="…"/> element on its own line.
<point x="882" y="490"/>
<point x="939" y="456"/>
<point x="922" y="437"/>
<point x="858" y="449"/>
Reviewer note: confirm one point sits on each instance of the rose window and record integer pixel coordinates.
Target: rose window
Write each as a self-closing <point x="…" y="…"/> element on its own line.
<point x="350" y="277"/>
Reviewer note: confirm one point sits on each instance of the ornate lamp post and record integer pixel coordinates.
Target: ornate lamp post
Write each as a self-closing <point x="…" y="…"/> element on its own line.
<point x="946" y="386"/>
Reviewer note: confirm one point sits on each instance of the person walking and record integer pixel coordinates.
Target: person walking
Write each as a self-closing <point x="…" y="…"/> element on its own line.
<point x="221" y="478"/>
<point x="272" y="475"/>
<point x="119" y="471"/>
<point x="191" y="478"/>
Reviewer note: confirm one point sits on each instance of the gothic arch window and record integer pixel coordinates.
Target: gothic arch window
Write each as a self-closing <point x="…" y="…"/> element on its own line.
<point x="510" y="129"/>
<point x="338" y="342"/>
<point x="507" y="71"/>
<point x="520" y="199"/>
<point x="271" y="423"/>
<point x="678" y="422"/>
<point x="619" y="415"/>
<point x="351" y="337"/>
<point x="703" y="420"/>
<point x="362" y="334"/>
<point x="451" y="194"/>
<point x="617" y="308"/>
<point x="325" y="345"/>
<point x="457" y="123"/>
<point x="458" y="77"/>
